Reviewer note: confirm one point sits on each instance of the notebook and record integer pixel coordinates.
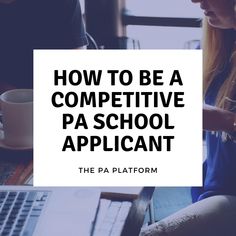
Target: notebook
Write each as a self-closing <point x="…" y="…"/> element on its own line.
<point x="26" y="211"/>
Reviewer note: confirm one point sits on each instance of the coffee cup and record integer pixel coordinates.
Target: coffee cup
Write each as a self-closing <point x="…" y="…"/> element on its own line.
<point x="17" y="118"/>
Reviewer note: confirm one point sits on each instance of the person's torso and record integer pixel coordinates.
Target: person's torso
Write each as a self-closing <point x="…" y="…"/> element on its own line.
<point x="221" y="152"/>
<point x="26" y="25"/>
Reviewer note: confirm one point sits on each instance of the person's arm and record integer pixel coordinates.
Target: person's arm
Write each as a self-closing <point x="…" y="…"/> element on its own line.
<point x="72" y="25"/>
<point x="216" y="119"/>
<point x="84" y="47"/>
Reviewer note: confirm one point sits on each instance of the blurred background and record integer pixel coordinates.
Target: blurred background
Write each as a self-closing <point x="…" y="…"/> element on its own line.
<point x="149" y="24"/>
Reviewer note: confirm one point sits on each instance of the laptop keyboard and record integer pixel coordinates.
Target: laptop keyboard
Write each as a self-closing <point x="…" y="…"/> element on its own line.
<point x="20" y="211"/>
<point x="111" y="217"/>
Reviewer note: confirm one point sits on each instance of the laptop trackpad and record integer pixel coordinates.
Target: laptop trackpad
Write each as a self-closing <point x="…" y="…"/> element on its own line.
<point x="70" y="211"/>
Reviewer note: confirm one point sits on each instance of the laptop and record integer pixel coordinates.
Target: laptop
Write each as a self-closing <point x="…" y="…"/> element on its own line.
<point x="27" y="211"/>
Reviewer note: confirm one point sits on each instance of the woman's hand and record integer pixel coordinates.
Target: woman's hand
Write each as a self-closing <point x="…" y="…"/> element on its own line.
<point x="216" y="119"/>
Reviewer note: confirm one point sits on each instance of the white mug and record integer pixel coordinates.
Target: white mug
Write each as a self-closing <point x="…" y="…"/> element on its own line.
<point x="17" y="117"/>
